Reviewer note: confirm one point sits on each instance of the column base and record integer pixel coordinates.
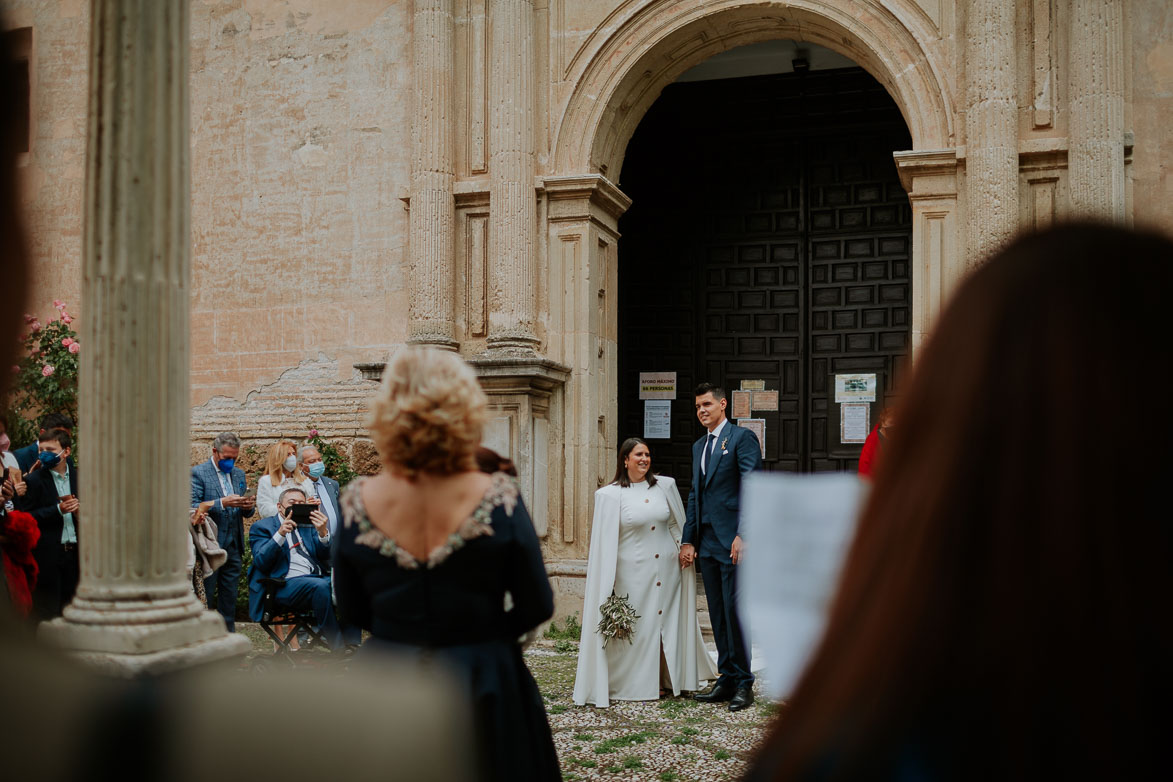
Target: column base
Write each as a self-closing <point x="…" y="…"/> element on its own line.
<point x="440" y="341"/>
<point x="127" y="651"/>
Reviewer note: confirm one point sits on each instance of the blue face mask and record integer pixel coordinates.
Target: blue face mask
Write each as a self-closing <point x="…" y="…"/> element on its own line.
<point x="317" y="470"/>
<point x="49" y="459"/>
<point x="226" y="465"/>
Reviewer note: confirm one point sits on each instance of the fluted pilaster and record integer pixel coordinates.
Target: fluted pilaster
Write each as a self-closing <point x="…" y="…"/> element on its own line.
<point x="512" y="167"/>
<point x="134" y="611"/>
<point x="1095" y="90"/>
<point x="991" y="128"/>
<point x="433" y="214"/>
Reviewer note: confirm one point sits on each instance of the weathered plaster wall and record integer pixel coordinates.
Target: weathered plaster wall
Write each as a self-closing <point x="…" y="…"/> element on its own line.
<point x="53" y="171"/>
<point x="300" y="156"/>
<point x="1151" y="31"/>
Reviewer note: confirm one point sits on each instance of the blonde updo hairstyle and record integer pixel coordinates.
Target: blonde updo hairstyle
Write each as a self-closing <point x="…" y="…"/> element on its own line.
<point x="429" y="414"/>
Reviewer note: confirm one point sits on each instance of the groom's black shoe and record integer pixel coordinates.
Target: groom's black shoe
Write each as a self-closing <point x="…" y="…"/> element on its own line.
<point x="718" y="693"/>
<point x="743" y="699"/>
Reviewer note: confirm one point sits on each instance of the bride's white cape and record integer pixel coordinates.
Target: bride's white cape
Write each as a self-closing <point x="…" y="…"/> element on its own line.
<point x="684" y="650"/>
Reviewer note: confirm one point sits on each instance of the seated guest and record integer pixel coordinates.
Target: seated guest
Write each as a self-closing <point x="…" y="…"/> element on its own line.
<point x="282" y="471"/>
<point x="51" y="499"/>
<point x="281" y="551"/>
<point x="220" y="482"/>
<point x="26" y="458"/>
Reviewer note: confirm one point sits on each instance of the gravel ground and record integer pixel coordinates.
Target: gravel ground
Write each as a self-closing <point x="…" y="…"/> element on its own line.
<point x="669" y="739"/>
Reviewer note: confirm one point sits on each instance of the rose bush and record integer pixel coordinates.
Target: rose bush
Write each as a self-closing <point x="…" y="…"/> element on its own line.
<point x="46" y="378"/>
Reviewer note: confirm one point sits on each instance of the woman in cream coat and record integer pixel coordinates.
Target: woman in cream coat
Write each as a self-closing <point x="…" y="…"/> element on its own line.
<point x="635" y="540"/>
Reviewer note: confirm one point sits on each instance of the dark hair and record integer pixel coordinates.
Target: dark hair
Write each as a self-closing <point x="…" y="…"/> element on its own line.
<point x="710" y="388"/>
<point x="490" y="461"/>
<point x="56" y="421"/>
<point x="621" y="476"/>
<point x="59" y="436"/>
<point x="1002" y="612"/>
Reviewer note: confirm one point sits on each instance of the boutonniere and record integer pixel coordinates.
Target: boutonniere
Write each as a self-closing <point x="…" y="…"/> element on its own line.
<point x="724" y="443"/>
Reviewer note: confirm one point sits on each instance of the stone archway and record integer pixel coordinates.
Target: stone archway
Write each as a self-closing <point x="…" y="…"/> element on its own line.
<point x="616" y="75"/>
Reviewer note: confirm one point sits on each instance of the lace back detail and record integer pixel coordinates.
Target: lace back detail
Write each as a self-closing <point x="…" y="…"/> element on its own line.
<point x="503" y="492"/>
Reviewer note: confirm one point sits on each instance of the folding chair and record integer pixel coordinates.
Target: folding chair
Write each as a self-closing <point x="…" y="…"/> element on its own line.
<point x="297" y="620"/>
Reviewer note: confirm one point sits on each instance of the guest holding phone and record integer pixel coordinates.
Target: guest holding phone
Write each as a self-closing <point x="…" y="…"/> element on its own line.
<point x="51" y="499"/>
<point x="294" y="544"/>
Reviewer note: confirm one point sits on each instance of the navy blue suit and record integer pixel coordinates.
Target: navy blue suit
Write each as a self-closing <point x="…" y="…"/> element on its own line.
<point x="58" y="576"/>
<point x="710" y="526"/>
<point x="271" y="560"/>
<point x="221" y="585"/>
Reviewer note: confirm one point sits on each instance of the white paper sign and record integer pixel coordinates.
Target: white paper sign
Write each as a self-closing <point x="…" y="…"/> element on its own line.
<point x="797" y="530"/>
<point x="855" y="388"/>
<point x="657" y="385"/>
<point x="853" y="422"/>
<point x="657" y="419"/>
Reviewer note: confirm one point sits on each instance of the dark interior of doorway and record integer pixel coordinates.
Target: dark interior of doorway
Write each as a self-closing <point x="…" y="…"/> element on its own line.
<point x="769" y="238"/>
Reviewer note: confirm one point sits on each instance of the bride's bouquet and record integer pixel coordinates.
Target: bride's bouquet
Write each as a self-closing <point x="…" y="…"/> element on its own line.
<point x="618" y="618"/>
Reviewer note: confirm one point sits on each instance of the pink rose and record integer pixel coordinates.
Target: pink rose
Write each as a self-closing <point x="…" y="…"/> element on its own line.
<point x="313" y="433"/>
<point x="35" y="326"/>
<point x="59" y="304"/>
<point x="29" y="318"/>
<point x="47" y="370"/>
<point x="74" y="347"/>
<point x="65" y="318"/>
<point x="67" y="342"/>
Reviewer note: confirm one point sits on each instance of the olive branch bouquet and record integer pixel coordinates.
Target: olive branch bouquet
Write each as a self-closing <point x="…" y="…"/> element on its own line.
<point x="618" y="618"/>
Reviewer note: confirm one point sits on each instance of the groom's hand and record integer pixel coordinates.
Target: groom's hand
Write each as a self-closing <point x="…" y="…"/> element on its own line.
<point x="735" y="550"/>
<point x="687" y="555"/>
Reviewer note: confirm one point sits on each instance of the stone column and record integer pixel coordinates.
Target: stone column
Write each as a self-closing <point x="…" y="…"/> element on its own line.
<point x="1095" y="90"/>
<point x="135" y="612"/>
<point x="512" y="168"/>
<point x="433" y="212"/>
<point x="991" y="128"/>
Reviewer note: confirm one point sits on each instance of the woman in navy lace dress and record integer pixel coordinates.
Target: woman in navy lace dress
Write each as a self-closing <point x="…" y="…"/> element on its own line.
<point x="431" y="546"/>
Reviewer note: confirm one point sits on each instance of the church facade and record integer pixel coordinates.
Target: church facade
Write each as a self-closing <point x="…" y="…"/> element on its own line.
<point x="815" y="176"/>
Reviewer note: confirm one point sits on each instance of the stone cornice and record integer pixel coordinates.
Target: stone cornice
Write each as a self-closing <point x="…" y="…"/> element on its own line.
<point x="595" y="188"/>
<point x="519" y="374"/>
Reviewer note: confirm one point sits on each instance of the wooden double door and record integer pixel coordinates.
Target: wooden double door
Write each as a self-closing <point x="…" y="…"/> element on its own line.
<point x="769" y="239"/>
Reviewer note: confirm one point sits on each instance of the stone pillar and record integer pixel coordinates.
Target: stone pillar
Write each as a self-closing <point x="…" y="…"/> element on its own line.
<point x="1095" y="90"/>
<point x="433" y="212"/>
<point x="991" y="128"/>
<point x="135" y="612"/>
<point x="512" y="168"/>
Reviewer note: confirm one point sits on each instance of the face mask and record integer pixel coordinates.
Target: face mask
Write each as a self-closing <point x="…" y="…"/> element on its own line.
<point x="4" y="442"/>
<point x="226" y="465"/>
<point x="49" y="459"/>
<point x="317" y="470"/>
<point x="290" y="463"/>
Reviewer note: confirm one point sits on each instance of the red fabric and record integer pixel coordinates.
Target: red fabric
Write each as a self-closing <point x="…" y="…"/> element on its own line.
<point x="20" y="535"/>
<point x="871" y="449"/>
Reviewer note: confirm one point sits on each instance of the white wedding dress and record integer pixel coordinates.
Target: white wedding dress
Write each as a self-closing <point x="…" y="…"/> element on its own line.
<point x="635" y="542"/>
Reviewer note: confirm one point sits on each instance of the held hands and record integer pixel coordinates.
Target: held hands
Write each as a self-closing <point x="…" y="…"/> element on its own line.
<point x="687" y="555"/>
<point x="735" y="550"/>
<point x="320" y="522"/>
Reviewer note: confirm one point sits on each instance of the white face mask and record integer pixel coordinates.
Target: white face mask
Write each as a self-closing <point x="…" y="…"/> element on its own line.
<point x="290" y="463"/>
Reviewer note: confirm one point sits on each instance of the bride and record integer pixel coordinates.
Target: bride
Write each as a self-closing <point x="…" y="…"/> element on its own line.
<point x="635" y="540"/>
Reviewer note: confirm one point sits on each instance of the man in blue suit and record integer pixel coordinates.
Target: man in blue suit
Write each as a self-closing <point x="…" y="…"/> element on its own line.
<point x="326" y="491"/>
<point x="281" y="550"/>
<point x="220" y="480"/>
<point x="720" y="460"/>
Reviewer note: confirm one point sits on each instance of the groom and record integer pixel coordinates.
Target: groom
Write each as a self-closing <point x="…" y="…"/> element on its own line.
<point x="719" y="461"/>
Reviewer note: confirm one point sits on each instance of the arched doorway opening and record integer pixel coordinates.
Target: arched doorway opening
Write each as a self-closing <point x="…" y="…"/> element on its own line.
<point x="768" y="246"/>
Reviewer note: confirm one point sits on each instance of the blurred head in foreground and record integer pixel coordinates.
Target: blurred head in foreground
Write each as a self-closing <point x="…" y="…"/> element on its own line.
<point x="429" y="414"/>
<point x="1003" y="612"/>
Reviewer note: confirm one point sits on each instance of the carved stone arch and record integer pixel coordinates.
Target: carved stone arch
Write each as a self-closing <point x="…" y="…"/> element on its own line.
<point x="654" y="43"/>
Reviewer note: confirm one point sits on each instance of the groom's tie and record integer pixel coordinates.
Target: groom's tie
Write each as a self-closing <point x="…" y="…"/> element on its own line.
<point x="708" y="456"/>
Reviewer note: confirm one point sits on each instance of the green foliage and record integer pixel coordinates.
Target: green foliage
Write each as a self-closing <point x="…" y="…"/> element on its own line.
<point x="618" y="742"/>
<point x="632" y="762"/>
<point x="571" y="630"/>
<point x="562" y="646"/>
<point x="584" y="762"/>
<point x="668" y="776"/>
<point x="722" y="754"/>
<point x="584" y="737"/>
<point x="46" y="377"/>
<point x="679" y="739"/>
<point x="242" y="587"/>
<point x="337" y="465"/>
<point x="557" y="708"/>
<point x="687" y="731"/>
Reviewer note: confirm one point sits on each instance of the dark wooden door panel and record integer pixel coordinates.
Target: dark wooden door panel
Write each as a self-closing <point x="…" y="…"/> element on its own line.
<point x="769" y="239"/>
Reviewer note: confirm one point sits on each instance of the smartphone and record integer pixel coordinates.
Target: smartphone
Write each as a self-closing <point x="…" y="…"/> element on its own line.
<point x="301" y="513"/>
